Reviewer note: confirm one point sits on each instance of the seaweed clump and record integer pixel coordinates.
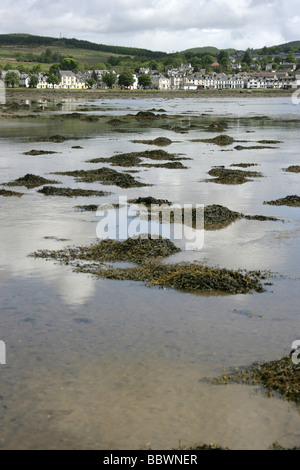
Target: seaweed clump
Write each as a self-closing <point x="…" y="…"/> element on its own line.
<point x="107" y="176"/>
<point x="293" y="169"/>
<point x="39" y="152"/>
<point x="281" y="376"/>
<point x="30" y="181"/>
<point x="5" y="193"/>
<point x="293" y="201"/>
<point x="160" y="141"/>
<point x="144" y="252"/>
<point x="228" y="176"/>
<point x="170" y="165"/>
<point x="70" y="192"/>
<point x="135" y="158"/>
<point x="253" y="147"/>
<point x="217" y="217"/>
<point x="221" y="140"/>
<point x="149" y="200"/>
<point x="146" y="116"/>
<point x="57" y="138"/>
<point x="135" y="249"/>
<point x="244" y="165"/>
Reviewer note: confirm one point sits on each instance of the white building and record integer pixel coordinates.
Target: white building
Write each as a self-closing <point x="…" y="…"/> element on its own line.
<point x="24" y="80"/>
<point x="67" y="79"/>
<point x="159" y="81"/>
<point x="296" y="83"/>
<point x="42" y="81"/>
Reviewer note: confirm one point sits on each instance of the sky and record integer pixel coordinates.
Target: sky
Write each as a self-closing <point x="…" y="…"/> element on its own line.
<point x="158" y="25"/>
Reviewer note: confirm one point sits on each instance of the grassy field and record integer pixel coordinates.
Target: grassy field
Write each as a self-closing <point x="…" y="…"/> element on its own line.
<point x="89" y="57"/>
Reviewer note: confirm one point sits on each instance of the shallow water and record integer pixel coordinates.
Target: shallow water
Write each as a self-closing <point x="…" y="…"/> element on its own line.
<point x="100" y="364"/>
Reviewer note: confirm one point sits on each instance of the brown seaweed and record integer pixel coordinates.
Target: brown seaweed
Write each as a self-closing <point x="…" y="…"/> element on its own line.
<point x="70" y="192"/>
<point x="228" y="176"/>
<point x="221" y="140"/>
<point x="30" y="181"/>
<point x="293" y="201"/>
<point x="5" y="193"/>
<point x="293" y="169"/>
<point x="106" y="176"/>
<point x="281" y="376"/>
<point x="186" y="277"/>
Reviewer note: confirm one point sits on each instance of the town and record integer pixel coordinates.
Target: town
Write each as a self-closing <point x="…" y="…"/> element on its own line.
<point x="185" y="77"/>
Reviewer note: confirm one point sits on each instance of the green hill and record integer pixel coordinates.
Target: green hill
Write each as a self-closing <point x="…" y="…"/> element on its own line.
<point x="211" y="50"/>
<point x="37" y="41"/>
<point x="203" y="50"/>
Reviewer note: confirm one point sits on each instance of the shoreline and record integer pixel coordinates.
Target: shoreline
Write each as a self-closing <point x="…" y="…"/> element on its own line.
<point x="34" y="93"/>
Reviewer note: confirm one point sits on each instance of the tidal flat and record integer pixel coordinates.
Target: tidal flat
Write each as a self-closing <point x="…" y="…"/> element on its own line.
<point x="107" y="342"/>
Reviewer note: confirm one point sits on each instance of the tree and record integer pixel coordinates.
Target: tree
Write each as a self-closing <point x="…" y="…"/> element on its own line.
<point x="54" y="69"/>
<point x="12" y="79"/>
<point x="126" y="79"/>
<point x="206" y="61"/>
<point x="90" y="82"/>
<point x="21" y="68"/>
<point x="109" y="79"/>
<point x="145" y="80"/>
<point x="69" y="64"/>
<point x="223" y="58"/>
<point x="247" y="59"/>
<point x="291" y="58"/>
<point x="113" y="60"/>
<point x="278" y="59"/>
<point x="153" y="65"/>
<point x="36" y="68"/>
<point x="53" y="80"/>
<point x="99" y="66"/>
<point x="33" y="81"/>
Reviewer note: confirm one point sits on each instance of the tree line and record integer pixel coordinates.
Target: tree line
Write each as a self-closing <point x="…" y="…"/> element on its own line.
<point x="32" y="40"/>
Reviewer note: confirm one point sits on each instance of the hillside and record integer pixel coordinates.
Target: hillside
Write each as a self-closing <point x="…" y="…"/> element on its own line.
<point x="214" y="51"/>
<point x="32" y="54"/>
<point x="39" y="41"/>
<point x="203" y="50"/>
<point x="292" y="46"/>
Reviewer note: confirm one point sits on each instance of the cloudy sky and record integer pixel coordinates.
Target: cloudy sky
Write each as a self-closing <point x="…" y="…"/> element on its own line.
<point x="164" y="25"/>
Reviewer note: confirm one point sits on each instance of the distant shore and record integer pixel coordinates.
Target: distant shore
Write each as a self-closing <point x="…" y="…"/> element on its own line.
<point x="58" y="94"/>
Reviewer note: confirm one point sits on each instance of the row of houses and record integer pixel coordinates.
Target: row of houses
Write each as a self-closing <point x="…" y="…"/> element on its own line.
<point x="67" y="79"/>
<point x="178" y="79"/>
<point x="196" y="81"/>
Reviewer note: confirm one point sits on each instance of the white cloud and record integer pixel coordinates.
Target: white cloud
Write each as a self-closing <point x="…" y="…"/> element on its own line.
<point x="157" y="24"/>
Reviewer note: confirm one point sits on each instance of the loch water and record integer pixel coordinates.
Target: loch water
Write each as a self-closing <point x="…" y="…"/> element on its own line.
<point x="104" y="364"/>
